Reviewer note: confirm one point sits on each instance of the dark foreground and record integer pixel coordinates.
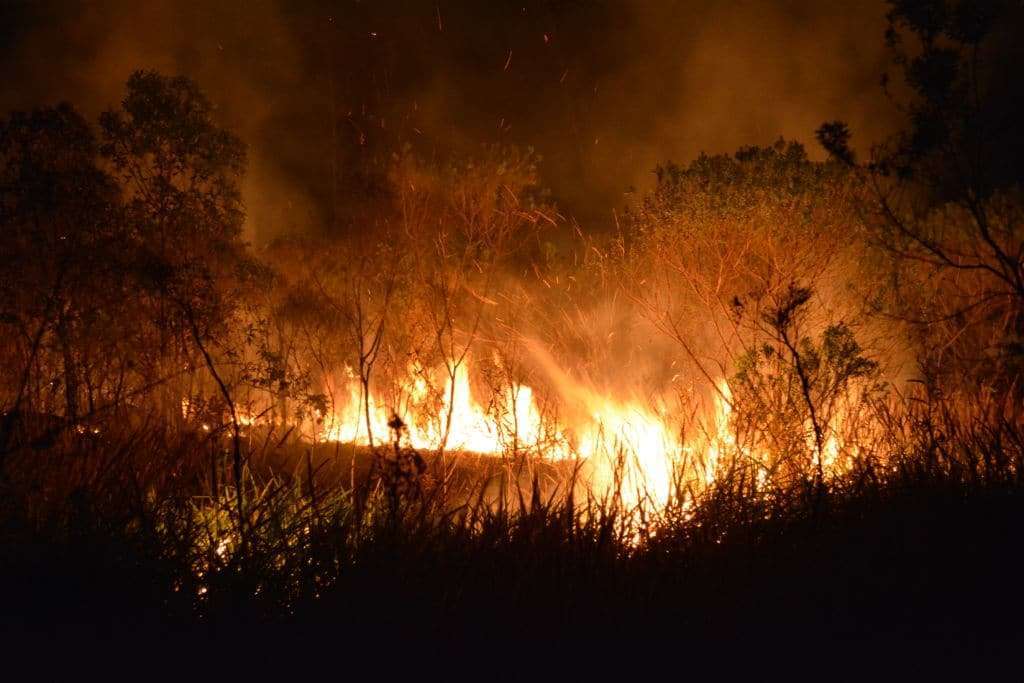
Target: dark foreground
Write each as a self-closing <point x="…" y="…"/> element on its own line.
<point x="925" y="576"/>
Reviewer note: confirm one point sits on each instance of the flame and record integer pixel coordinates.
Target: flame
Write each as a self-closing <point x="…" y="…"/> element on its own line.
<point x="631" y="450"/>
<point x="721" y="437"/>
<point x="459" y="424"/>
<point x="628" y="447"/>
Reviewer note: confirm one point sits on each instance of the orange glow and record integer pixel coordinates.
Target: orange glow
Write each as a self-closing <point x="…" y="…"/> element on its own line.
<point x="625" y="445"/>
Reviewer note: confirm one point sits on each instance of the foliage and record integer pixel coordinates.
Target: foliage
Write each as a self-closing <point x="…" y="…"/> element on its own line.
<point x="945" y="205"/>
<point x="717" y="242"/>
<point x="792" y="393"/>
<point x="63" y="251"/>
<point x="181" y="174"/>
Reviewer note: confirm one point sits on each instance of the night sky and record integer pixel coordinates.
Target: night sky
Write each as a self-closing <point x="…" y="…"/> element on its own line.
<point x="602" y="90"/>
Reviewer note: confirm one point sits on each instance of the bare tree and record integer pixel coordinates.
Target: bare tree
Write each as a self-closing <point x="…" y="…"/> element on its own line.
<point x="359" y="282"/>
<point x="945" y="205"/>
<point x="464" y="219"/>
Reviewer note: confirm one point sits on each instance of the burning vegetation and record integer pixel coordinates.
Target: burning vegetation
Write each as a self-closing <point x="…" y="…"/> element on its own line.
<point x="465" y="385"/>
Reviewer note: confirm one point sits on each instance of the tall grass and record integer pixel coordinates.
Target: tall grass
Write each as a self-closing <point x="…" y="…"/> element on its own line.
<point x="141" y="530"/>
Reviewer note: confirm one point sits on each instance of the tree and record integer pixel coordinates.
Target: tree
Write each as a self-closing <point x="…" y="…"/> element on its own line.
<point x="729" y="233"/>
<point x="946" y="201"/>
<point x="358" y="279"/>
<point x="469" y="220"/>
<point x="61" y="243"/>
<point x="788" y="392"/>
<point x="181" y="175"/>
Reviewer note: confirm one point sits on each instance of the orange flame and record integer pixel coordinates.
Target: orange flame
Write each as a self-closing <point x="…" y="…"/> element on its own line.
<point x="627" y="447"/>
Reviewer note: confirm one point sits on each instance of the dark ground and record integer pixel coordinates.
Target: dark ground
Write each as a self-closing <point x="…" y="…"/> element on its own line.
<point x="925" y="579"/>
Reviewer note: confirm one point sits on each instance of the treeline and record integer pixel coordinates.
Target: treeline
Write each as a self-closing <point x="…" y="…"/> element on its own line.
<point x="130" y="295"/>
<point x="123" y="250"/>
<point x="130" y="291"/>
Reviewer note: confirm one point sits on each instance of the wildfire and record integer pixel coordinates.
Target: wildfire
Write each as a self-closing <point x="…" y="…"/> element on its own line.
<point x="627" y="446"/>
<point x="631" y="448"/>
<point x="460" y="423"/>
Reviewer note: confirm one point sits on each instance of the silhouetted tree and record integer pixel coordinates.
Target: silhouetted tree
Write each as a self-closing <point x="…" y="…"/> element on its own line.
<point x="789" y="390"/>
<point x="947" y="203"/>
<point x="62" y="250"/>
<point x="181" y="175"/>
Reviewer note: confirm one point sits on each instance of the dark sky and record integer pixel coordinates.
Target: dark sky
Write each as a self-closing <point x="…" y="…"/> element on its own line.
<point x="603" y="90"/>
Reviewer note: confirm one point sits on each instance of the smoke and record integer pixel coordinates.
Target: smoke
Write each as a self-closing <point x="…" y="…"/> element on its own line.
<point x="604" y="91"/>
<point x="240" y="53"/>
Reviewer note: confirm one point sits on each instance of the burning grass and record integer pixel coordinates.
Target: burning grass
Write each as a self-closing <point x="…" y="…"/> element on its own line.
<point x="145" y="533"/>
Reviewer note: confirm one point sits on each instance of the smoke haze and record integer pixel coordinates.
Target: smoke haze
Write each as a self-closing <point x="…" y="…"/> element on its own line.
<point x="602" y="90"/>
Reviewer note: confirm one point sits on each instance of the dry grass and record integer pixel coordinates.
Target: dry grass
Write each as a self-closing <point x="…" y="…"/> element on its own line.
<point x="140" y="534"/>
